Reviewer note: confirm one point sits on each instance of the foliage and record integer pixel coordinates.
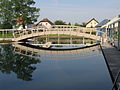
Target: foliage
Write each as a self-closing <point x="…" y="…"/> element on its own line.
<point x="6" y="14"/>
<point x="11" y="62"/>
<point x="21" y="11"/>
<point x="59" y="22"/>
<point x="69" y="23"/>
<point x="6" y="35"/>
<point x="83" y="24"/>
<point x="77" y="24"/>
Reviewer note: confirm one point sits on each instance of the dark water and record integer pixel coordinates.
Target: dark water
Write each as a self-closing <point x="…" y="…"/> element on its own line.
<point x="25" y="68"/>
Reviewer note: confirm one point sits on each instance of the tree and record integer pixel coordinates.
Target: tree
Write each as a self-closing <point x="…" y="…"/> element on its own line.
<point x="18" y="12"/>
<point x="11" y="62"/>
<point x="83" y="24"/>
<point x="77" y="24"/>
<point x="6" y="14"/>
<point x="69" y="23"/>
<point x="59" y="22"/>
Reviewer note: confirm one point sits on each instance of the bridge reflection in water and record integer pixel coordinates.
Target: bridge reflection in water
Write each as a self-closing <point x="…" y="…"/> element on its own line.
<point x="43" y="54"/>
<point x="73" y="69"/>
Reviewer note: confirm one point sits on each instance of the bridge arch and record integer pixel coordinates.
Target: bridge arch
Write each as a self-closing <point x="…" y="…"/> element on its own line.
<point x="25" y="34"/>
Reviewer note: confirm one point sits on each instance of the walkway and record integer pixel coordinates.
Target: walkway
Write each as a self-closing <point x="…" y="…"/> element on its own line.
<point x="113" y="58"/>
<point x="88" y="33"/>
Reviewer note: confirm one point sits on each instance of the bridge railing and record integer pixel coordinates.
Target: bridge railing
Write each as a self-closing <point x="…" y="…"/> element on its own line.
<point x="13" y="33"/>
<point x="20" y="33"/>
<point x="7" y="34"/>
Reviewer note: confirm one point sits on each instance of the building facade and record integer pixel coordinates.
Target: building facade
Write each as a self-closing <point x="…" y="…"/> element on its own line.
<point x="113" y="31"/>
<point x="92" y="23"/>
<point x="45" y="23"/>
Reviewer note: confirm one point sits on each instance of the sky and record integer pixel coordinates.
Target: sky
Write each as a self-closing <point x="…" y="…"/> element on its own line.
<point x="78" y="11"/>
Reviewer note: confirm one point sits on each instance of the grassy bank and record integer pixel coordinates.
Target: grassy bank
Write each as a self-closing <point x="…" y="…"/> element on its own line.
<point x="6" y="35"/>
<point x="6" y="41"/>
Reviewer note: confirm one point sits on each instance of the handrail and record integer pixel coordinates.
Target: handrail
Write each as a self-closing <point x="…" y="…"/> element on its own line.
<point x="20" y="34"/>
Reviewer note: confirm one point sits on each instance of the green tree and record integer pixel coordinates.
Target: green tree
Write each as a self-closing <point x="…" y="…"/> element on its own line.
<point x="77" y="24"/>
<point x="6" y="14"/>
<point x="18" y="12"/>
<point x="59" y="22"/>
<point x="83" y="24"/>
<point x="69" y="23"/>
<point x="11" y="62"/>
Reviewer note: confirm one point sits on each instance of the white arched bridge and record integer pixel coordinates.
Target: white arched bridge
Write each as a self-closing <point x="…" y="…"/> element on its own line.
<point x="18" y="35"/>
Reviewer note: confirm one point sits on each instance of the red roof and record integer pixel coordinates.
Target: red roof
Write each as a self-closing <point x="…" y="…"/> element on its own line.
<point x="46" y="20"/>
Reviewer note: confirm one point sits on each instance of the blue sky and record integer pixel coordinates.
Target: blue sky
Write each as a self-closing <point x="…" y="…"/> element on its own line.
<point x="78" y="10"/>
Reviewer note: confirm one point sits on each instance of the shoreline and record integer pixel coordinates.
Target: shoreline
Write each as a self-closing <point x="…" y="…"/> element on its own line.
<point x="112" y="56"/>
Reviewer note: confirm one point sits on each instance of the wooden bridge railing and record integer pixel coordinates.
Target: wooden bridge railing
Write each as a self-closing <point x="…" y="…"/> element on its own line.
<point x="12" y="34"/>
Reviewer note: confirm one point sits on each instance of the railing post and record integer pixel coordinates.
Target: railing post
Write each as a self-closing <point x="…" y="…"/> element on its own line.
<point x="58" y="37"/>
<point x="13" y="34"/>
<point x="3" y="34"/>
<point x="46" y="36"/>
<point x="83" y="40"/>
<point x="96" y="33"/>
<point x="70" y="35"/>
<point x="6" y="33"/>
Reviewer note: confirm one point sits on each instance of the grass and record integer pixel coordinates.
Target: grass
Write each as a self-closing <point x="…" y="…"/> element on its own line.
<point x="5" y="41"/>
<point x="6" y="35"/>
<point x="57" y="35"/>
<point x="93" y="33"/>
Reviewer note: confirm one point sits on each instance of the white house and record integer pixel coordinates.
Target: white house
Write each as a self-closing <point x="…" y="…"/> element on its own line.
<point x="92" y="23"/>
<point x="45" y="22"/>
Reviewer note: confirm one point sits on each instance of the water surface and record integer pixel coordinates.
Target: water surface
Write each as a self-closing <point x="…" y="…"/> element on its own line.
<point x="26" y="68"/>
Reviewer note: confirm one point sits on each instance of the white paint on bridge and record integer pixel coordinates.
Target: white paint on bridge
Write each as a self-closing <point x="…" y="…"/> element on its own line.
<point x="25" y="34"/>
<point x="18" y="35"/>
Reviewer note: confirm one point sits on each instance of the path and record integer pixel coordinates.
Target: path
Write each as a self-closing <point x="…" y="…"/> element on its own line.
<point x="113" y="58"/>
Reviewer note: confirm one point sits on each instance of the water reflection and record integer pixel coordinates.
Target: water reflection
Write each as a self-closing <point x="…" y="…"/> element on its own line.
<point x="77" y="69"/>
<point x="11" y="62"/>
<point x="56" y="54"/>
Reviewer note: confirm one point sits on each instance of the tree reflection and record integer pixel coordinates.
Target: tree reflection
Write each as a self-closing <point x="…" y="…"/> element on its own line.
<point x="11" y="62"/>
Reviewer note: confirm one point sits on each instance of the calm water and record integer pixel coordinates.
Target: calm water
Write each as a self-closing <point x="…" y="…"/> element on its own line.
<point x="25" y="68"/>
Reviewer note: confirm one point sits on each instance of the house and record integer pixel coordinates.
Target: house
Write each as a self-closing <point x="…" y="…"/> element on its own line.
<point x="92" y="23"/>
<point x="105" y="21"/>
<point x="112" y="29"/>
<point x="45" y="22"/>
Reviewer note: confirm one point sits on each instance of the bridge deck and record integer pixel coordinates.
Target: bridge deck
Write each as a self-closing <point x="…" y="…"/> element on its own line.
<point x="18" y="35"/>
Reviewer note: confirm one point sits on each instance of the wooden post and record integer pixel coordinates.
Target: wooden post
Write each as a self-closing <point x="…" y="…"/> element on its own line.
<point x="58" y="37"/>
<point x="46" y="36"/>
<point x="6" y="34"/>
<point x="13" y="34"/>
<point x="3" y="34"/>
<point x="83" y="41"/>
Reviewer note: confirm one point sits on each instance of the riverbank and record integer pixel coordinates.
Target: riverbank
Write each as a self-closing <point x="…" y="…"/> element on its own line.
<point x="113" y="58"/>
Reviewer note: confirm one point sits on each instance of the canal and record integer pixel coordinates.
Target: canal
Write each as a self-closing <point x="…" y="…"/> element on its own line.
<point x="23" y="67"/>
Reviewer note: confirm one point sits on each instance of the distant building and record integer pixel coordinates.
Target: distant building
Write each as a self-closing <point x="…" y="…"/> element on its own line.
<point x="92" y="23"/>
<point x="45" y="22"/>
<point x="105" y="21"/>
<point x="112" y="28"/>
